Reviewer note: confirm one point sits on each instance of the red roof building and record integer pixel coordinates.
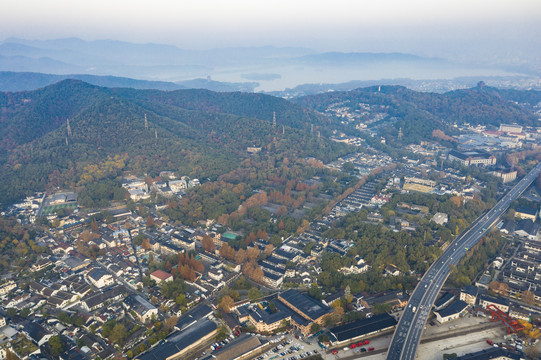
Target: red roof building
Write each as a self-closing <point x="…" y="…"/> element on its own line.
<point x="160" y="275"/>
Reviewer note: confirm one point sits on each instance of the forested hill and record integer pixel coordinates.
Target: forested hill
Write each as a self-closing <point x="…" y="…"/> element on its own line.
<point x="198" y="133"/>
<point x="528" y="97"/>
<point x="251" y="105"/>
<point x="418" y="113"/>
<point x="31" y="114"/>
<point x="203" y="133"/>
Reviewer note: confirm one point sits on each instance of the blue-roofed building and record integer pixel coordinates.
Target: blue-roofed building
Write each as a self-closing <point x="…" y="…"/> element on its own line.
<point x="472" y="157"/>
<point x="501" y="303"/>
<point x="100" y="278"/>
<point x="286" y="255"/>
<point x="198" y="313"/>
<point x="36" y="333"/>
<point x="483" y="281"/>
<point x="443" y="301"/>
<point x="141" y="307"/>
<point x="181" y="342"/>
<point x="183" y="242"/>
<point x="243" y="313"/>
<point x="267" y="323"/>
<point x="526" y="213"/>
<point x="242" y="348"/>
<point x="526" y="228"/>
<point x="306" y="307"/>
<point x="451" y="312"/>
<point x="469" y="295"/>
<point x="361" y="328"/>
<point x="271" y="279"/>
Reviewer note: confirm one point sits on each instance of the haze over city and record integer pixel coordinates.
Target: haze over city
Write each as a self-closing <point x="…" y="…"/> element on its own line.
<point x="270" y="180"/>
<point x="423" y="27"/>
<point x="452" y="40"/>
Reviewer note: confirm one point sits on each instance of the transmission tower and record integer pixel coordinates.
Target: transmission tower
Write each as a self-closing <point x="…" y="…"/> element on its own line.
<point x="69" y="127"/>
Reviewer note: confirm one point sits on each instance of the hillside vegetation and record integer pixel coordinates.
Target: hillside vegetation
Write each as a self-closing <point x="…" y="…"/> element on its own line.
<point x="206" y="134"/>
<point x="196" y="133"/>
<point x="419" y="113"/>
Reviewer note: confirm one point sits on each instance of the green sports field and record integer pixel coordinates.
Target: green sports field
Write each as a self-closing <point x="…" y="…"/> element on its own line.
<point x="52" y="208"/>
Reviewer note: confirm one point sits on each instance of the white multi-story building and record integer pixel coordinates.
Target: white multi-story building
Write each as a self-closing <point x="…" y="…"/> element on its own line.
<point x="500" y="303"/>
<point x="511" y="128"/>
<point x="100" y="278"/>
<point x="178" y="185"/>
<point x="142" y="309"/>
<point x="506" y="177"/>
<point x="472" y="157"/>
<point x="7" y="287"/>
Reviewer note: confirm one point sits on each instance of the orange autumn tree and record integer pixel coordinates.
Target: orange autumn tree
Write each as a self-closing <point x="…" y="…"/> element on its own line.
<point x="188" y="266"/>
<point x="208" y="243"/>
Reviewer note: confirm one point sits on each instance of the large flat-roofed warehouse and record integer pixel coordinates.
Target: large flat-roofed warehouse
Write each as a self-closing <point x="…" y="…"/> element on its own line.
<point x="305" y="306"/>
<point x="181" y="342"/>
<point x="193" y="316"/>
<point x="242" y="348"/>
<point x="361" y="328"/>
<point x="472" y="157"/>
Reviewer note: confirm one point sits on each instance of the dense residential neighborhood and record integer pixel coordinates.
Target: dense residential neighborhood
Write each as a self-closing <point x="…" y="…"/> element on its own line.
<point x="286" y="256"/>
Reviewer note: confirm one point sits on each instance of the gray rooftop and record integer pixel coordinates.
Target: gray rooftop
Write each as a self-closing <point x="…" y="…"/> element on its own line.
<point x="180" y="340"/>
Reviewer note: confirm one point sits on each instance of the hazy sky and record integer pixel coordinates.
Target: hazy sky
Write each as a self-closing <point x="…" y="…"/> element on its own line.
<point x="430" y="27"/>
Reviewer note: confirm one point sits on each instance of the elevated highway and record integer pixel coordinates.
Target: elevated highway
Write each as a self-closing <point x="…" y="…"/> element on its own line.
<point x="410" y="327"/>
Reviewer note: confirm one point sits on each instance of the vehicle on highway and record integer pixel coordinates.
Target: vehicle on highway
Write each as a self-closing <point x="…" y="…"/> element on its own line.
<point x="334" y="352"/>
<point x="407" y="334"/>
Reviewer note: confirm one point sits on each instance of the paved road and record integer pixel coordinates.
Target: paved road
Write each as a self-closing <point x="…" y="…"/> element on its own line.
<point x="411" y="325"/>
<point x="431" y="339"/>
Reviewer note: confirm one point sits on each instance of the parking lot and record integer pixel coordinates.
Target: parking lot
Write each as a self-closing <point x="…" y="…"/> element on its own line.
<point x="462" y="336"/>
<point x="283" y="347"/>
<point x="289" y="348"/>
<point x="432" y="349"/>
<point x="460" y="345"/>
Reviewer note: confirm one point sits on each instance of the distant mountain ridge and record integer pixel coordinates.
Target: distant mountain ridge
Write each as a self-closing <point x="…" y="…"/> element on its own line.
<point x="276" y="68"/>
<point x="24" y="81"/>
<point x="119" y="58"/>
<point x="339" y="58"/>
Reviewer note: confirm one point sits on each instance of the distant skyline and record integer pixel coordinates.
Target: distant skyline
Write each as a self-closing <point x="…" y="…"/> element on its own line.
<point x="460" y="29"/>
